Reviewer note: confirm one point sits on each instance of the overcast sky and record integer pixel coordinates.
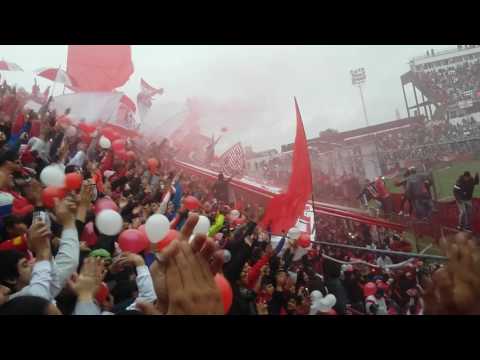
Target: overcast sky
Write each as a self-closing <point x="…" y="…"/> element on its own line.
<point x="255" y="85"/>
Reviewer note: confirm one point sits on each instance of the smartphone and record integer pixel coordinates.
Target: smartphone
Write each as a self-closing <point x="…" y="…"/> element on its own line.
<point x="41" y="216"/>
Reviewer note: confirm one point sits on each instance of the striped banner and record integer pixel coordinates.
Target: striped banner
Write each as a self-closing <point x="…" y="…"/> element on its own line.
<point x="233" y="160"/>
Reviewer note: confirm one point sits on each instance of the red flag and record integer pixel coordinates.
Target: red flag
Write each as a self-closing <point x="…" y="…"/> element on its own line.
<point x="284" y="209"/>
<point x="99" y="67"/>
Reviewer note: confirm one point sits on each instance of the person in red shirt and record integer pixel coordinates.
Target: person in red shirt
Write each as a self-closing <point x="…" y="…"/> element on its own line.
<point x="383" y="195"/>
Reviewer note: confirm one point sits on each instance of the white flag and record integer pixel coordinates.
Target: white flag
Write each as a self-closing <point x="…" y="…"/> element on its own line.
<point x="90" y="106"/>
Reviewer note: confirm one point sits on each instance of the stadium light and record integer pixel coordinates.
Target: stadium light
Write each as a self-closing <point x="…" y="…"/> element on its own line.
<point x="359" y="77"/>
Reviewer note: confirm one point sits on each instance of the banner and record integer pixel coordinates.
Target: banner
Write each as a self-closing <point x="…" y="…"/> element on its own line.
<point x="89" y="106"/>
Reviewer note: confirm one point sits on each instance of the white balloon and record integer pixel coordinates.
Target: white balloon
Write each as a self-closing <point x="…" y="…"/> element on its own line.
<point x="234" y="214"/>
<point x="104" y="142"/>
<point x="315" y="295"/>
<point x="330" y="300"/>
<point x="227" y="256"/>
<point x="109" y="222"/>
<point x="157" y="227"/>
<point x="326" y="303"/>
<point x="203" y="225"/>
<point x="71" y="131"/>
<point x="53" y="175"/>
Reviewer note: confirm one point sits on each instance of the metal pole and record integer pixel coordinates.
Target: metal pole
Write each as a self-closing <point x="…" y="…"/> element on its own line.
<point x="387" y="252"/>
<point x="406" y="102"/>
<point x="363" y="103"/>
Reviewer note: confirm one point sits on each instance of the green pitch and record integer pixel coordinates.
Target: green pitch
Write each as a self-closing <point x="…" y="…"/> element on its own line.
<point x="445" y="178"/>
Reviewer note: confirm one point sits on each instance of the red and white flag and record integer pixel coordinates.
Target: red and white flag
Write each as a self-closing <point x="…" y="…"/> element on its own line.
<point x="233" y="160"/>
<point x="148" y="89"/>
<point x="45" y="94"/>
<point x="8" y="66"/>
<point x="145" y="97"/>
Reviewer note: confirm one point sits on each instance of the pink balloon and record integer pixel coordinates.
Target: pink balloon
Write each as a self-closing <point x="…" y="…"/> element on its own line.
<point x="133" y="240"/>
<point x="105" y="203"/>
<point x="88" y="234"/>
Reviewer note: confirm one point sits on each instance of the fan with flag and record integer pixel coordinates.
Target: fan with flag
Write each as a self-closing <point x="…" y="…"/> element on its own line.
<point x="145" y="97"/>
<point x="57" y="75"/>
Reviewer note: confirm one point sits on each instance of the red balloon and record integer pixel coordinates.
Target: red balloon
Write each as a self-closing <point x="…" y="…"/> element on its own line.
<point x="105" y="203"/>
<point x="304" y="240"/>
<point x="131" y="155"/>
<point x="110" y="134"/>
<point x="73" y="181"/>
<point x="141" y="228"/>
<point x="118" y="145"/>
<point x="88" y="234"/>
<point x="132" y="240"/>
<point x="369" y="289"/>
<point x="171" y="235"/>
<point x="225" y="291"/>
<point x="86" y="128"/>
<point x="102" y="293"/>
<point x="152" y="164"/>
<point x="191" y="203"/>
<point x="50" y="193"/>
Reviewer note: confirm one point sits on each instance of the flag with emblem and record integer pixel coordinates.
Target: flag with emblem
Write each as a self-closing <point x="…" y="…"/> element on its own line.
<point x="233" y="160"/>
<point x="145" y="97"/>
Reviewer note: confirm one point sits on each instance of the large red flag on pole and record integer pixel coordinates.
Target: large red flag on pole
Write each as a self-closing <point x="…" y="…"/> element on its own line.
<point x="99" y="67"/>
<point x="284" y="209"/>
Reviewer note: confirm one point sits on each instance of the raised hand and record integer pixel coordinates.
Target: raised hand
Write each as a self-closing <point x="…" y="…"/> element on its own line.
<point x="455" y="288"/>
<point x="39" y="240"/>
<point x="65" y="211"/>
<point x="86" y="284"/>
<point x="131" y="259"/>
<point x="183" y="278"/>
<point x="86" y="193"/>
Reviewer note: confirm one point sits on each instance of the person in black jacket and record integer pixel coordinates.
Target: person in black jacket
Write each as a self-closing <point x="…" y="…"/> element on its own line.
<point x="220" y="188"/>
<point x="463" y="192"/>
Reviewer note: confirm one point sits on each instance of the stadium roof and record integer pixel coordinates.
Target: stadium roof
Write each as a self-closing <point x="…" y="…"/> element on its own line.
<point x="341" y="137"/>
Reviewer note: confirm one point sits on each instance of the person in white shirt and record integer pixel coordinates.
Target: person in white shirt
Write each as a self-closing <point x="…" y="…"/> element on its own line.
<point x="41" y="145"/>
<point x="47" y="275"/>
<point x="376" y="304"/>
<point x="80" y="157"/>
<point x="86" y="305"/>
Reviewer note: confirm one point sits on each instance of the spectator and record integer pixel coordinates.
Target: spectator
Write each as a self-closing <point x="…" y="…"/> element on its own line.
<point x="463" y="192"/>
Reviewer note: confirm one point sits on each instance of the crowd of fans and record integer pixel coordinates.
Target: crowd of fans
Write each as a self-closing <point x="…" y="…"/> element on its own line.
<point x="55" y="258"/>
<point x="455" y="83"/>
<point x="421" y="144"/>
